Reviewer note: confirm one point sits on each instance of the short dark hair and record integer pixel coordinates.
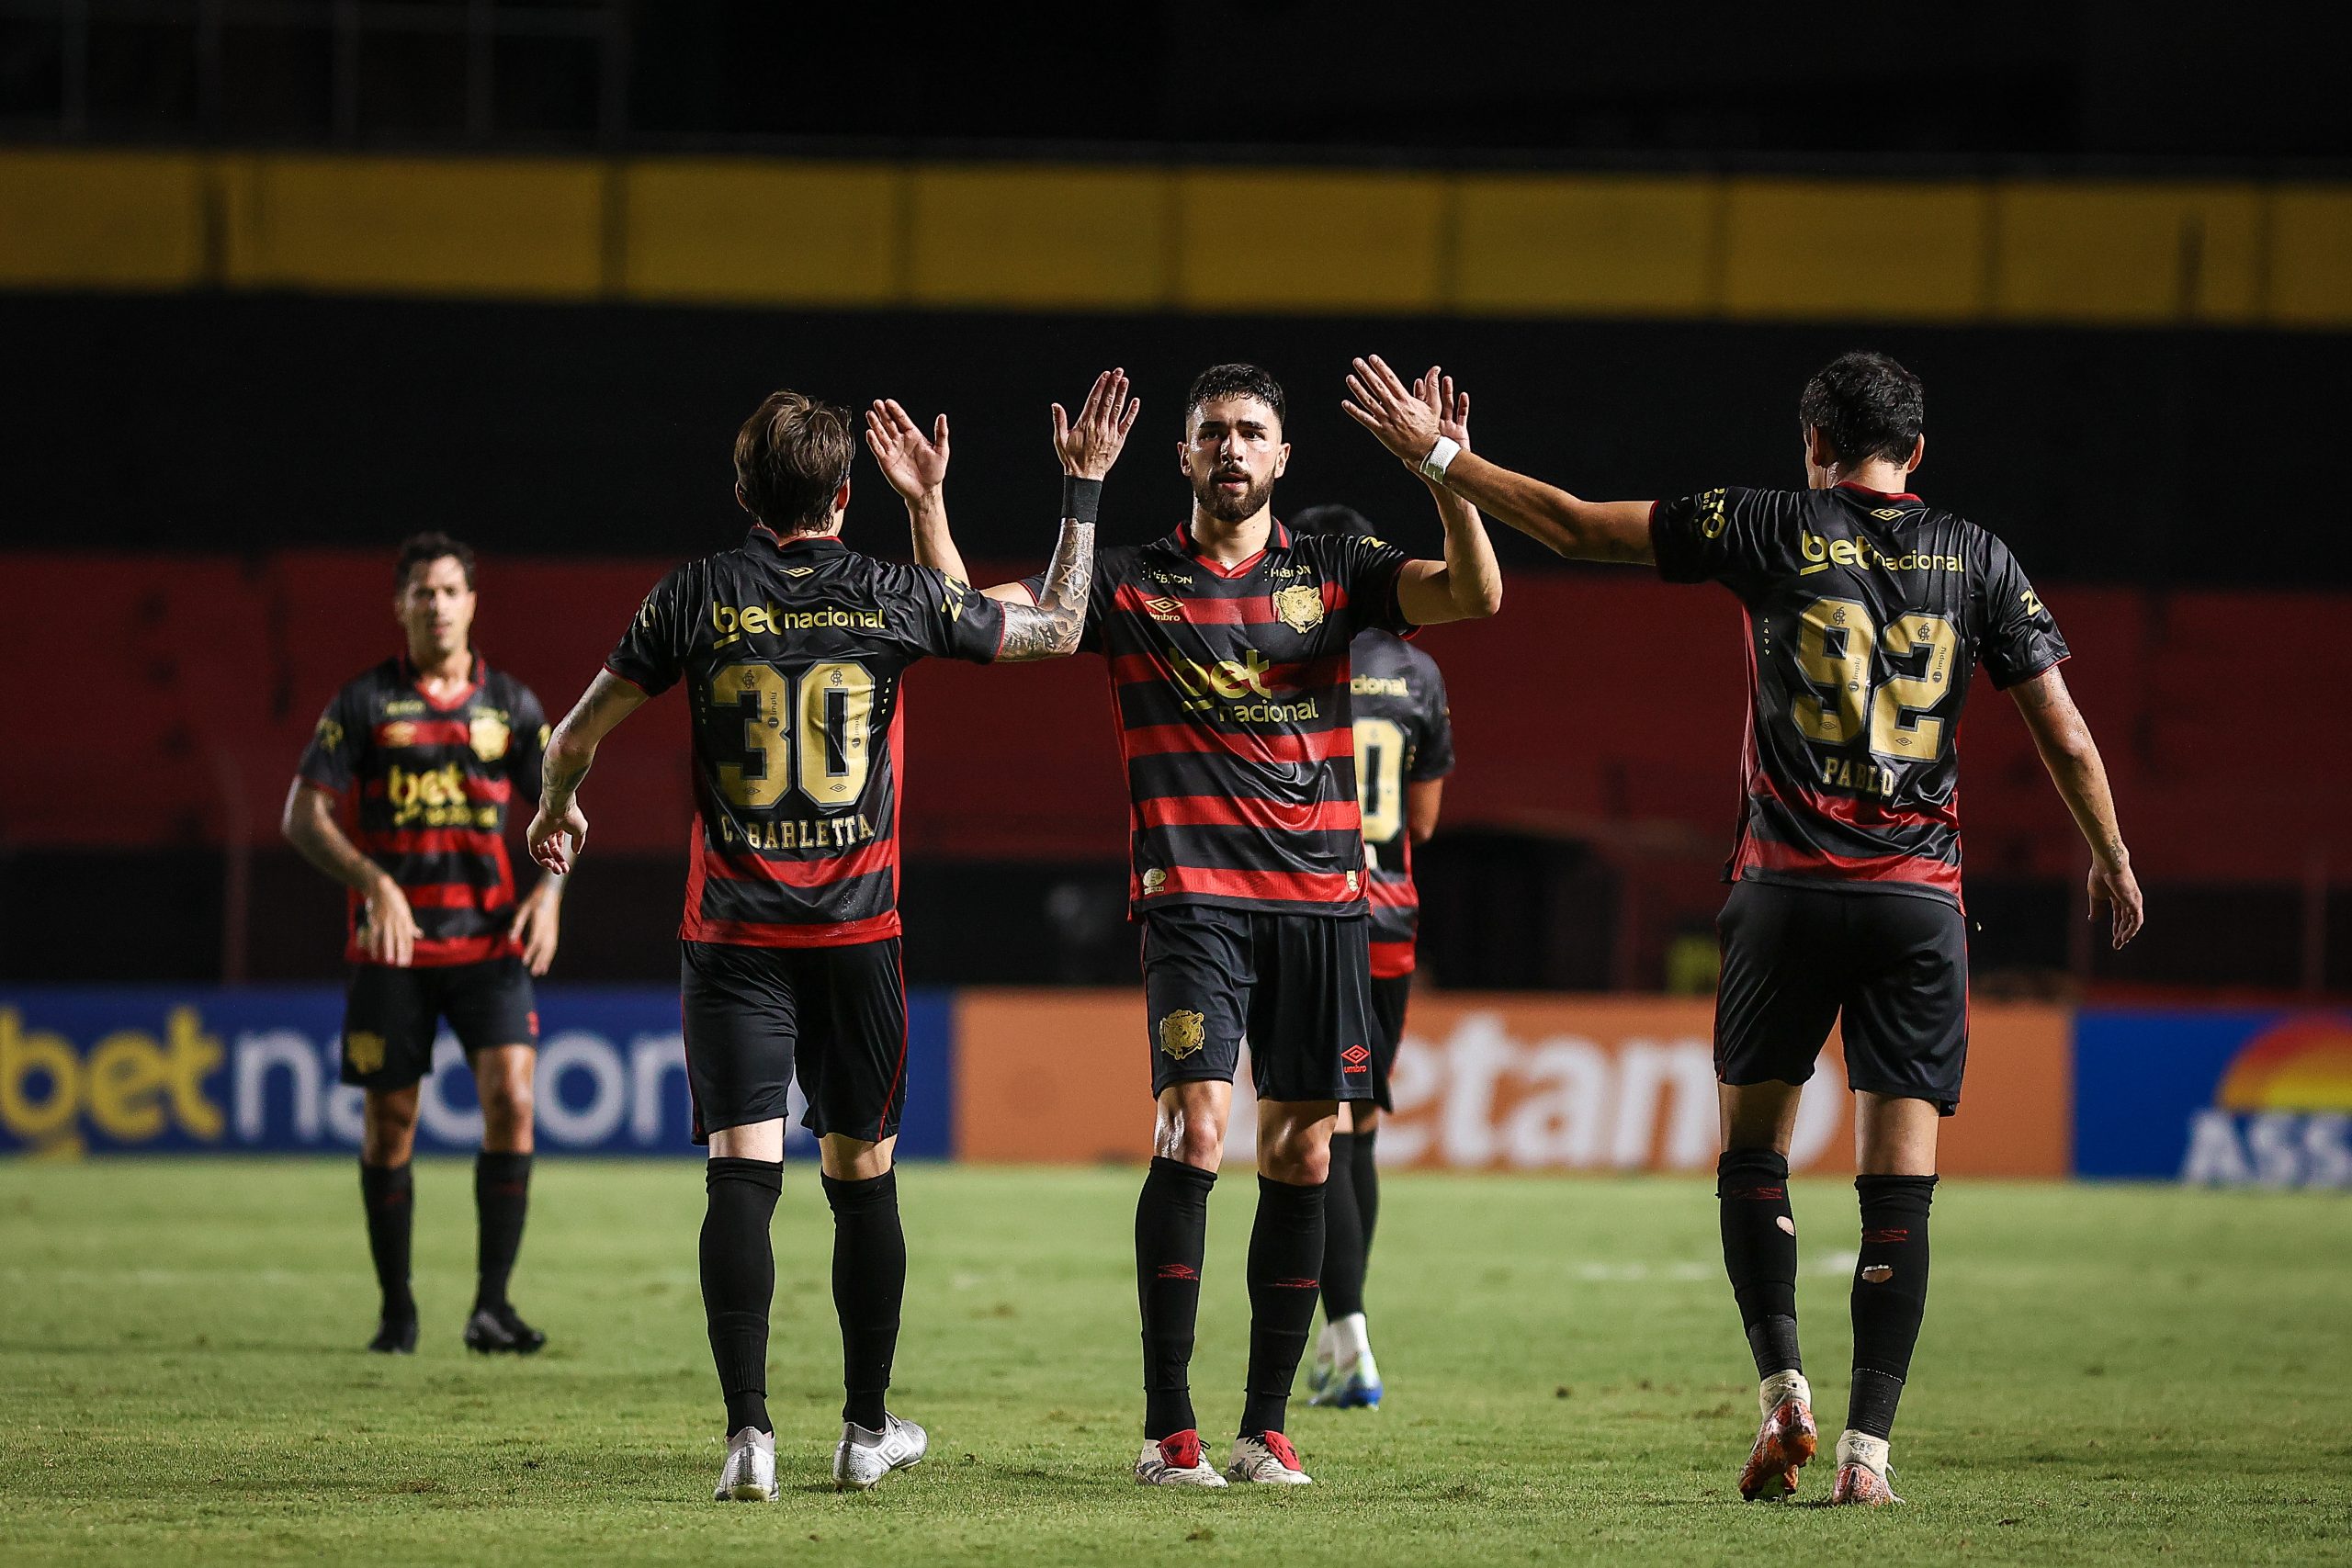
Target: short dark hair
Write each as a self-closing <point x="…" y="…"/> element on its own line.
<point x="1235" y="381"/>
<point x="1869" y="407"/>
<point x="431" y="546"/>
<point x="790" y="456"/>
<point x="1333" y="520"/>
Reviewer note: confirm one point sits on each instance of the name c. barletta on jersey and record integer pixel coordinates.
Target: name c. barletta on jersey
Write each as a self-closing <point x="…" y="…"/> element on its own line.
<point x="797" y="832"/>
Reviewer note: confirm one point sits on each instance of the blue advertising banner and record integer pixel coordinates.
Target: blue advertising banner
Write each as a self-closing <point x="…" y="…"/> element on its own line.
<point x="84" y="1069"/>
<point x="2219" y="1098"/>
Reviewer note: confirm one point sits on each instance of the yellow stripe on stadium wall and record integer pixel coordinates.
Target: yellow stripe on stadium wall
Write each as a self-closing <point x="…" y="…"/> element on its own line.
<point x="1041" y="237"/>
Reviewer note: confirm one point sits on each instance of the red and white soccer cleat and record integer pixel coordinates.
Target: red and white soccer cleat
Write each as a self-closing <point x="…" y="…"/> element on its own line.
<point x="1267" y="1460"/>
<point x="1176" y="1460"/>
<point x="1863" y="1476"/>
<point x="1786" y="1441"/>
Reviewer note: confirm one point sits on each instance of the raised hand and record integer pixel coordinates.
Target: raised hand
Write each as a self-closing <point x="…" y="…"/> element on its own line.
<point x="1452" y="409"/>
<point x="1089" y="445"/>
<point x="1406" y="424"/>
<point x="913" y="463"/>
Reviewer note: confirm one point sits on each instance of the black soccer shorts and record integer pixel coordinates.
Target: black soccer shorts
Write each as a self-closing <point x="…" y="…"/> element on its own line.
<point x="1389" y="995"/>
<point x="1298" y="987"/>
<point x="755" y="1015"/>
<point x="1894" y="965"/>
<point x="391" y="1015"/>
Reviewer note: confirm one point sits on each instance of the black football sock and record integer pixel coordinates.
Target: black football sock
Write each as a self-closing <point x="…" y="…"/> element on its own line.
<point x="501" y="1196"/>
<point x="1365" y="1180"/>
<point x="1285" y="1251"/>
<point x="869" y="1283"/>
<point x="1760" y="1254"/>
<point x="1171" y="1231"/>
<point x="1890" y="1295"/>
<point x="1343" y="1244"/>
<point x="388" y="1193"/>
<point x="739" y="1281"/>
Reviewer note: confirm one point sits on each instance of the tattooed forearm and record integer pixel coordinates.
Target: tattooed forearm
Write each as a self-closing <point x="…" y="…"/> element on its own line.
<point x="572" y="750"/>
<point x="1051" y="627"/>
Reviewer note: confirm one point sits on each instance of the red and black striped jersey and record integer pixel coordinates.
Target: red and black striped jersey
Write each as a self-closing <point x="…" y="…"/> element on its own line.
<point x="1404" y="735"/>
<point x="792" y="649"/>
<point x="1867" y="615"/>
<point x="426" y="789"/>
<point x="1230" y="687"/>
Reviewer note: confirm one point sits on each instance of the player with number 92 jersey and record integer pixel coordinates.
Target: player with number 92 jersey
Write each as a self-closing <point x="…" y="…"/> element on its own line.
<point x="1867" y="613"/>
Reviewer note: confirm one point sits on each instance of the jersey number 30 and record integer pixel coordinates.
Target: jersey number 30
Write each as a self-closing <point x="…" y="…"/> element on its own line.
<point x="1835" y="639"/>
<point x="821" y="722"/>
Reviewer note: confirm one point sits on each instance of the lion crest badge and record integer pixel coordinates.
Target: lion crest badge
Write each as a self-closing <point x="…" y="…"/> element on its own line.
<point x="363" y="1051"/>
<point x="1299" y="608"/>
<point x="488" y="735"/>
<point x="1182" y="1033"/>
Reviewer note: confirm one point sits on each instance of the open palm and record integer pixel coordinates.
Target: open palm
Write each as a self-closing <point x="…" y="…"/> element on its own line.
<point x="912" y="462"/>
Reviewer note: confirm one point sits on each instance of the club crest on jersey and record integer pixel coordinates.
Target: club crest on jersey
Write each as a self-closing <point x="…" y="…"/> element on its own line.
<point x="1182" y="1033"/>
<point x="1301" y="607"/>
<point x="488" y="733"/>
<point x="1154" y="880"/>
<point x="395" y="735"/>
<point x="363" y="1051"/>
<point x="1160" y="607"/>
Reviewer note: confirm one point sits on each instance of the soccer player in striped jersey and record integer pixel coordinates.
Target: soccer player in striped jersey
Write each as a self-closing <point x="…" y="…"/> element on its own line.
<point x="792" y="647"/>
<point x="402" y="796"/>
<point x="1403" y="749"/>
<point x="1226" y="641"/>
<point x="1868" y="609"/>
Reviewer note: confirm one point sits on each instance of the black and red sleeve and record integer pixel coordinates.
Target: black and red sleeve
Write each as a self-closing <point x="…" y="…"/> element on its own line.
<point x="1716" y="536"/>
<point x="651" y="654"/>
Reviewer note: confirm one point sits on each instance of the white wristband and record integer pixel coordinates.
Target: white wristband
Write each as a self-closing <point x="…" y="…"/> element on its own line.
<point x="1433" y="466"/>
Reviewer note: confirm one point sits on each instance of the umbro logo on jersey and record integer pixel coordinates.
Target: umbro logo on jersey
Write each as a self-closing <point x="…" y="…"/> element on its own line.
<point x="1162" y="608"/>
<point x="1886" y="513"/>
<point x="800" y="571"/>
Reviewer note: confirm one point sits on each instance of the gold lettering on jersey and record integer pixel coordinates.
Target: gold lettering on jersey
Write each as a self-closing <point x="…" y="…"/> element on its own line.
<point x="433" y="797"/>
<point x="488" y="733"/>
<point x="1712" y="518"/>
<point x="1862" y="778"/>
<point x="1379" y="686"/>
<point x="1227" y="678"/>
<point x="1291" y="572"/>
<point x="1163" y="608"/>
<point x="797" y="833"/>
<point x="957" y="590"/>
<point x="410" y="705"/>
<point x="734" y="622"/>
<point x="1176" y="578"/>
<point x="1300" y="607"/>
<point x="1824" y="553"/>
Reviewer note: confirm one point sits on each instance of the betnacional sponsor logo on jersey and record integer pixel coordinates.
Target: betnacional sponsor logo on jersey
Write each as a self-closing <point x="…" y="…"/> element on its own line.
<point x="733" y="622"/>
<point x="1379" y="686"/>
<point x="133" y="1069"/>
<point x="1823" y="553"/>
<point x="434" y="797"/>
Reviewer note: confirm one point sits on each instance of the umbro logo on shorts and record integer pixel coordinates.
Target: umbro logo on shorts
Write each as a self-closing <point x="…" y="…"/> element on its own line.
<point x="1355" y="1056"/>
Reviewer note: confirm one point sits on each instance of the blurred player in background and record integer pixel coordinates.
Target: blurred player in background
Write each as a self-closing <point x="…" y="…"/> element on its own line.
<point x="1868" y="611"/>
<point x="403" y="798"/>
<point x="792" y="647"/>
<point x="1403" y="749"/>
<point x="1226" y="640"/>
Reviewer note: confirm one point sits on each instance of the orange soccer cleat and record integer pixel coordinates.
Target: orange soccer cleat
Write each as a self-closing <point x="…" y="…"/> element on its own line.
<point x="1784" y="1443"/>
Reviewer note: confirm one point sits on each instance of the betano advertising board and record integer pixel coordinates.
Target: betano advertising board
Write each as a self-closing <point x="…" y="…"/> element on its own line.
<point x="2237" y="1097"/>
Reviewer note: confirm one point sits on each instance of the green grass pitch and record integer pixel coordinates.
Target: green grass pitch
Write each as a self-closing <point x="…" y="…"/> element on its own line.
<point x="2108" y="1374"/>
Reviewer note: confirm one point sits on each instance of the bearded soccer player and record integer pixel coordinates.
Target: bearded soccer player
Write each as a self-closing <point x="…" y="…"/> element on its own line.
<point x="792" y="647"/>
<point x="1868" y="609"/>
<point x="1403" y="749"/>
<point x="1226" y="640"/>
<point x="403" y="798"/>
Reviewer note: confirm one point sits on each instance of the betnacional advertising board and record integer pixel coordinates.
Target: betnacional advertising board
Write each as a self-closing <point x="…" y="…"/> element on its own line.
<point x="255" y="1070"/>
<point x="1497" y="1083"/>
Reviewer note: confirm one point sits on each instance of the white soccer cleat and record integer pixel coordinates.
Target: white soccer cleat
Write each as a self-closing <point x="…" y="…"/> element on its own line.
<point x="863" y="1458"/>
<point x="1864" y="1476"/>
<point x="1176" y="1460"/>
<point x="1266" y="1460"/>
<point x="750" y="1473"/>
<point x="1352" y="1381"/>
<point x="1325" y="1364"/>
